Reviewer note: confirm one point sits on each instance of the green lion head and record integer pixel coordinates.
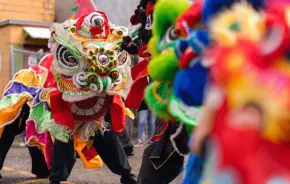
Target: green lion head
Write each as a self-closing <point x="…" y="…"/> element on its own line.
<point x="164" y="63"/>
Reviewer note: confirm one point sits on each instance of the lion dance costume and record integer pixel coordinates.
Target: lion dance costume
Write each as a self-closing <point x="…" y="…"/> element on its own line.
<point x="243" y="113"/>
<point x="73" y="99"/>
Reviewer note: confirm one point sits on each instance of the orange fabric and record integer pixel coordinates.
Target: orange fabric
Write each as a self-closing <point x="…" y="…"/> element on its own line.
<point x="1" y="131"/>
<point x="35" y="142"/>
<point x="9" y="113"/>
<point x="95" y="162"/>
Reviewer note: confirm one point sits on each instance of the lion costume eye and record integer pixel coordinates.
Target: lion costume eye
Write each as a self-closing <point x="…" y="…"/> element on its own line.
<point x="103" y="59"/>
<point x="169" y="36"/>
<point x="122" y="58"/>
<point x="65" y="58"/>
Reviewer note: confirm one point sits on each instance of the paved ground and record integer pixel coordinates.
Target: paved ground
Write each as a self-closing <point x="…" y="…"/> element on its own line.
<point x="18" y="165"/>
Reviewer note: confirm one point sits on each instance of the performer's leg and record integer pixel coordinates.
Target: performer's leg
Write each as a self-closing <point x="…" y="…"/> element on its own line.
<point x="39" y="166"/>
<point x="6" y="142"/>
<point x="164" y="175"/>
<point x="126" y="137"/>
<point x="110" y="150"/>
<point x="143" y="116"/>
<point x="151" y="129"/>
<point x="63" y="160"/>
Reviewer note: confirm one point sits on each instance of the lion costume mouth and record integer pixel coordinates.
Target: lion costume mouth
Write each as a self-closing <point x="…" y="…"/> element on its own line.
<point x="90" y="109"/>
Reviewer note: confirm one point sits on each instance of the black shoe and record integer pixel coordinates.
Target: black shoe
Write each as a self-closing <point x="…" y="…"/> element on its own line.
<point x="41" y="177"/>
<point x="128" y="179"/>
<point x="54" y="182"/>
<point x="129" y="151"/>
<point x="129" y="154"/>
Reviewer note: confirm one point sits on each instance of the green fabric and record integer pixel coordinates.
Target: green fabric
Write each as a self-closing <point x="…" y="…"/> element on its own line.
<point x="10" y="100"/>
<point x="165" y="14"/>
<point x="180" y="113"/>
<point x="157" y="107"/>
<point x="164" y="64"/>
<point x="74" y="9"/>
<point x="163" y="68"/>
<point x="44" y="122"/>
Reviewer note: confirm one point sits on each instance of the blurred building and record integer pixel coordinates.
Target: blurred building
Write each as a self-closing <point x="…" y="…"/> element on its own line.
<point x="118" y="11"/>
<point x="24" y="32"/>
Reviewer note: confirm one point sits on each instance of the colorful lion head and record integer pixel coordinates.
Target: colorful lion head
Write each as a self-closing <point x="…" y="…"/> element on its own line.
<point x="164" y="63"/>
<point x="89" y="65"/>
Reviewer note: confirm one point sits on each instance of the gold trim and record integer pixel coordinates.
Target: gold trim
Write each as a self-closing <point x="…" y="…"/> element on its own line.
<point x="156" y="95"/>
<point x="163" y="162"/>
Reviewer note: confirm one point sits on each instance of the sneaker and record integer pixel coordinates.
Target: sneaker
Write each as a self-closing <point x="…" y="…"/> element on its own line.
<point x="139" y="143"/>
<point x="22" y="144"/>
<point x="128" y="179"/>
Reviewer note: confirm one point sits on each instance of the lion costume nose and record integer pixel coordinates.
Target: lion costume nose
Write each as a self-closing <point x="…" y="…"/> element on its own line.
<point x="99" y="22"/>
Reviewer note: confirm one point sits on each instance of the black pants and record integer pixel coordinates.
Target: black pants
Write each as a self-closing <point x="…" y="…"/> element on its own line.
<point x="108" y="146"/>
<point x="126" y="136"/>
<point x="161" y="164"/>
<point x="165" y="174"/>
<point x="39" y="167"/>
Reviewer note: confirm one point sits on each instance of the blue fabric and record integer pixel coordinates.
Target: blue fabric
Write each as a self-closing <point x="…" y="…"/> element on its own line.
<point x="198" y="40"/>
<point x="212" y="7"/>
<point x="189" y="84"/>
<point x="143" y="120"/>
<point x="180" y="47"/>
<point x="193" y="169"/>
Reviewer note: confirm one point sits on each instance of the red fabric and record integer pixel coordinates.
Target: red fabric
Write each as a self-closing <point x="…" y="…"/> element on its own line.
<point x="258" y="161"/>
<point x="191" y="17"/>
<point x="89" y="153"/>
<point x="135" y="19"/>
<point x="117" y="114"/>
<point x="139" y="68"/>
<point x="136" y="94"/>
<point x="157" y="137"/>
<point x="84" y="7"/>
<point x="186" y="58"/>
<point x="95" y="31"/>
<point x="61" y="110"/>
<point x="139" y="74"/>
<point x="276" y="20"/>
<point x="149" y="8"/>
<point x="143" y="52"/>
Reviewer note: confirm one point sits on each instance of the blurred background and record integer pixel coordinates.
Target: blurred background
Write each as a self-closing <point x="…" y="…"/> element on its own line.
<point x="118" y="11"/>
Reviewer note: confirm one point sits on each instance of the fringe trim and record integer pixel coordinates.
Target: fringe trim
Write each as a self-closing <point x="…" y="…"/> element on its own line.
<point x="52" y="126"/>
<point x="173" y="136"/>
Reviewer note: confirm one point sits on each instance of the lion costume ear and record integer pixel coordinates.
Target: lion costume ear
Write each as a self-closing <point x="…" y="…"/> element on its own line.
<point x="83" y="7"/>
